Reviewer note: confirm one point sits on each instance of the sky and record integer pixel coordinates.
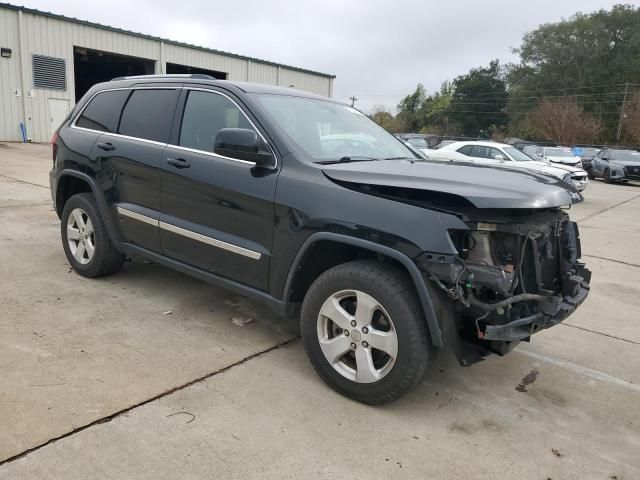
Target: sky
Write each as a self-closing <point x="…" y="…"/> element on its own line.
<point x="378" y="50"/>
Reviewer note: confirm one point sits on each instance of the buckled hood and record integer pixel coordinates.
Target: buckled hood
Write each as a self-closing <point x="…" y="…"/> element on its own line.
<point x="482" y="186"/>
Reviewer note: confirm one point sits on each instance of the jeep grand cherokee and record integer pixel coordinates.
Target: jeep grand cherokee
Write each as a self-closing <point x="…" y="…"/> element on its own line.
<point x="306" y="204"/>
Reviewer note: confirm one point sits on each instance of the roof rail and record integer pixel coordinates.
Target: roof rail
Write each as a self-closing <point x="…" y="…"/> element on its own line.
<point x="200" y="76"/>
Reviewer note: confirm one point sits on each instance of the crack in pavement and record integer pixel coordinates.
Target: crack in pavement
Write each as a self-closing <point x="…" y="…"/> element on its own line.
<point x="110" y="417"/>
<point x="24" y="181"/>
<point x="600" y="333"/>
<point x="609" y="208"/>
<point x="613" y="260"/>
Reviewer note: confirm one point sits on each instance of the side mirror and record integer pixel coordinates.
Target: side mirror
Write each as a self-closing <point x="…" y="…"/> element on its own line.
<point x="243" y="144"/>
<point x="499" y="158"/>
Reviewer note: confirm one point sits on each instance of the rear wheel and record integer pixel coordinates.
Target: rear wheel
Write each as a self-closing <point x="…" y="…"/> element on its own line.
<point x="607" y="176"/>
<point x="85" y="240"/>
<point x="364" y="331"/>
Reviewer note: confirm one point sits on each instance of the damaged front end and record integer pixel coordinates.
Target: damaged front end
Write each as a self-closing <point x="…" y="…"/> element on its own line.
<point x="515" y="274"/>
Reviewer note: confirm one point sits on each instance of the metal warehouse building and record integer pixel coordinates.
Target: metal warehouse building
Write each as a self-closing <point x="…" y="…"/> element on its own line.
<point x="49" y="61"/>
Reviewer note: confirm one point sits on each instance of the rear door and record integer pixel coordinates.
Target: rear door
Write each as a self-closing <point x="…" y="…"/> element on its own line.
<point x="132" y="156"/>
<point x="217" y="211"/>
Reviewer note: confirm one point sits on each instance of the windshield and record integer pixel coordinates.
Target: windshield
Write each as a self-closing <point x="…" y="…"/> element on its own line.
<point x="625" y="155"/>
<point x="589" y="152"/>
<point x="558" y="152"/>
<point x="331" y="131"/>
<point x="517" y="155"/>
<point x="418" y="142"/>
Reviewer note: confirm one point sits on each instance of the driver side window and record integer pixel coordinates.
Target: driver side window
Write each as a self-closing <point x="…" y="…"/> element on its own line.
<point x="205" y="114"/>
<point x="494" y="152"/>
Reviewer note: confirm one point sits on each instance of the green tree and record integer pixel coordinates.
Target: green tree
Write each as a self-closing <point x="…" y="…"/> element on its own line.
<point x="409" y="109"/>
<point x="386" y="120"/>
<point x="434" y="112"/>
<point x="590" y="56"/>
<point x="479" y="100"/>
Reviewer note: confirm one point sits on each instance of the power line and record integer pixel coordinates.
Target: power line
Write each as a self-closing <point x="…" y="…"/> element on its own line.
<point x="510" y="112"/>
<point x="515" y="90"/>
<point x="522" y="104"/>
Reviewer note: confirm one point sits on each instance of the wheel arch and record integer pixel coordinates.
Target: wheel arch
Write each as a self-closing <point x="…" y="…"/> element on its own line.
<point x="336" y="249"/>
<point x="71" y="182"/>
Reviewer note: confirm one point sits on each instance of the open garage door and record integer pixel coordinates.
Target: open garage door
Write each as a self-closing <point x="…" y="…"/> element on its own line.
<point x="177" y="68"/>
<point x="93" y="66"/>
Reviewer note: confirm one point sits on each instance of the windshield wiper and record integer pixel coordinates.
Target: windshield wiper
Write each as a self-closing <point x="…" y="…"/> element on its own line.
<point x="353" y="158"/>
<point x="402" y="158"/>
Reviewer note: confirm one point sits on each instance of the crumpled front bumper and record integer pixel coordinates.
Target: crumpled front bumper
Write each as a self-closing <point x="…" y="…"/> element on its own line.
<point x="552" y="312"/>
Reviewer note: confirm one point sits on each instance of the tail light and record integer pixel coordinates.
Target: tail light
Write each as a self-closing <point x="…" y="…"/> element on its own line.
<point x="54" y="147"/>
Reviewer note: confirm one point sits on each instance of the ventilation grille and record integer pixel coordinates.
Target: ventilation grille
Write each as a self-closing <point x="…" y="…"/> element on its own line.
<point x="49" y="72"/>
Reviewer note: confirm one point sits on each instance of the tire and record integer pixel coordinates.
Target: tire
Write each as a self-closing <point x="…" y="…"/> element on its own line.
<point x="365" y="283"/>
<point x="590" y="174"/>
<point x="607" y="176"/>
<point x="81" y="219"/>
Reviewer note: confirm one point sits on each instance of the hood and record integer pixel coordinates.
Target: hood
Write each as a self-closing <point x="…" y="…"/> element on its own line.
<point x="626" y="163"/>
<point x="480" y="185"/>
<point x="570" y="160"/>
<point x="557" y="169"/>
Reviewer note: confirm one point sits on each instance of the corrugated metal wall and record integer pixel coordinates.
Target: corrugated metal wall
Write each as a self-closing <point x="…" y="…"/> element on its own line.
<point x="28" y="33"/>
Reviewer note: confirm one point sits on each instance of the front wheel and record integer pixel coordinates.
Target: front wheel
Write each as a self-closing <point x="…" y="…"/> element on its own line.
<point x="607" y="176"/>
<point x="364" y="331"/>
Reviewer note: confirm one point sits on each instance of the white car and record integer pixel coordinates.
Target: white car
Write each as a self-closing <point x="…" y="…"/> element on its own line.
<point x="503" y="155"/>
<point x="560" y="155"/>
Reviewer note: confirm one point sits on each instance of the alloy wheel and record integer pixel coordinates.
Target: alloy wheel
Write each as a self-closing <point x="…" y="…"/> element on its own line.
<point x="357" y="336"/>
<point x="81" y="236"/>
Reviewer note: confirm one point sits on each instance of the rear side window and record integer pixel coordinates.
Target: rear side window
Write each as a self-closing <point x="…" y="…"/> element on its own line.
<point x="148" y="114"/>
<point x="480" y="151"/>
<point x="103" y="111"/>
<point x="205" y="114"/>
<point x="466" y="150"/>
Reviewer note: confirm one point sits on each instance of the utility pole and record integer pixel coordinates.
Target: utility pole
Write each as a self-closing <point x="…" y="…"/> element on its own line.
<point x="353" y="100"/>
<point x="624" y="101"/>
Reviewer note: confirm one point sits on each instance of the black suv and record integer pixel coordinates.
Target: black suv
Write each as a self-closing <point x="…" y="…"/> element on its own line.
<point x="307" y="205"/>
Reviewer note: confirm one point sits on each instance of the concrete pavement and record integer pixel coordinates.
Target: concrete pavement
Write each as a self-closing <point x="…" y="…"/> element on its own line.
<point x="98" y="380"/>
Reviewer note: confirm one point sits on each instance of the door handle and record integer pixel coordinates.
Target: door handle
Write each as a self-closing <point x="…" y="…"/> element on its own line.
<point x="178" y="162"/>
<point x="107" y="147"/>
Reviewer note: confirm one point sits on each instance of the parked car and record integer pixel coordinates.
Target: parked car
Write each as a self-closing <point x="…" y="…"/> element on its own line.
<point x="616" y="165"/>
<point x="586" y="155"/>
<point x="385" y="258"/>
<point x="502" y="155"/>
<point x="530" y="150"/>
<point x="444" y="143"/>
<point x="558" y="155"/>
<point x="416" y="140"/>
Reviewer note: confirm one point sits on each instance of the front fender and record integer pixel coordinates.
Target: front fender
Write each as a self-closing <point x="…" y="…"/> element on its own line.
<point x="411" y="268"/>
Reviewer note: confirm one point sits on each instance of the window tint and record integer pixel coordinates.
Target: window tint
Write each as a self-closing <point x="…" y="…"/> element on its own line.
<point x="205" y="114"/>
<point x="481" y="151"/>
<point x="148" y="114"/>
<point x="466" y="150"/>
<point x="103" y="111"/>
<point x="494" y="152"/>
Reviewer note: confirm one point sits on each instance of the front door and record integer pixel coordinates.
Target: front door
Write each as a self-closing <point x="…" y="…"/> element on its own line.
<point x="58" y="111"/>
<point x="217" y="212"/>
